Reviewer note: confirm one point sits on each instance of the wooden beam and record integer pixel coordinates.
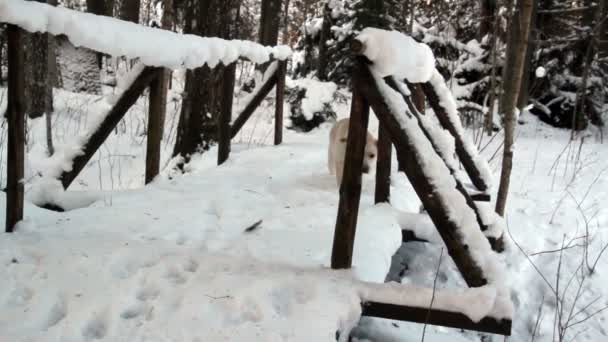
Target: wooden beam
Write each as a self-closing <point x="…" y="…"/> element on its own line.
<point x="278" y="114"/>
<point x="410" y="236"/>
<point x="481" y="197"/>
<point x="223" y="122"/>
<point x="156" y="109"/>
<point x="383" y="166"/>
<point x="350" y="190"/>
<point x="465" y="158"/>
<point x="253" y="104"/>
<point x="15" y="115"/>
<point x="436" y="317"/>
<point x="407" y="153"/>
<point x="413" y="109"/>
<point x="126" y="100"/>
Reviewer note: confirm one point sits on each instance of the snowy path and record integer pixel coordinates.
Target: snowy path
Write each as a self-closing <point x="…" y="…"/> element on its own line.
<point x="172" y="260"/>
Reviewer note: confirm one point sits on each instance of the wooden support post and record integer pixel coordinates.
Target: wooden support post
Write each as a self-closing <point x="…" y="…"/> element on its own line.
<point x="465" y="158"/>
<point x="223" y="122"/>
<point x="278" y="114"/>
<point x="383" y="166"/>
<point x="407" y="155"/>
<point x="253" y="104"/>
<point x="15" y="115"/>
<point x="350" y="190"/>
<point x="126" y="100"/>
<point x="155" y="124"/>
<point x="436" y="317"/>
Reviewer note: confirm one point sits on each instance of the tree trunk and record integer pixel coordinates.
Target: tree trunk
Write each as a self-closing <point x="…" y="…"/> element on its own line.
<point x="269" y="22"/>
<point x="325" y="34"/>
<point x="517" y="46"/>
<point x="489" y="118"/>
<point x="129" y="10"/>
<point x="487" y="10"/>
<point x="100" y="7"/>
<point x="286" y="23"/>
<point x="524" y="89"/>
<point x="167" y="24"/>
<point x="39" y="87"/>
<point x="201" y="105"/>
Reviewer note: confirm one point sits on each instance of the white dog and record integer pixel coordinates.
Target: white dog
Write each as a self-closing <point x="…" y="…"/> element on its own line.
<point x="337" y="150"/>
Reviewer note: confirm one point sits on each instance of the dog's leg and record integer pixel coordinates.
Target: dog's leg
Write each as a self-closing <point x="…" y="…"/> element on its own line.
<point x="339" y="172"/>
<point x="330" y="159"/>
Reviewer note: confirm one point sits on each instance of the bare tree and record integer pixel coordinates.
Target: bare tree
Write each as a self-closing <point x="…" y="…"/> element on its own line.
<point x="516" y="51"/>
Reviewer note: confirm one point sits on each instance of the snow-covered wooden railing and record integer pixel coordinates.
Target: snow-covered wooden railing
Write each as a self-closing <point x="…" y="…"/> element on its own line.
<point x="153" y="46"/>
<point x="149" y="45"/>
<point x="424" y="152"/>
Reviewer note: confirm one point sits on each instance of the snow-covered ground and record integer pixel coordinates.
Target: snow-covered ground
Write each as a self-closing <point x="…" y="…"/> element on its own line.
<point x="171" y="261"/>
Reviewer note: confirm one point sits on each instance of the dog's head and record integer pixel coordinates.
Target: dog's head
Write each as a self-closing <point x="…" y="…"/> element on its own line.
<point x="371" y="153"/>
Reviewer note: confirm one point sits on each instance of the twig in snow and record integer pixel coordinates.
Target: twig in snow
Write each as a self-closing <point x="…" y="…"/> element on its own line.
<point x="253" y="226"/>
<point x="222" y="297"/>
<point x="428" y="313"/>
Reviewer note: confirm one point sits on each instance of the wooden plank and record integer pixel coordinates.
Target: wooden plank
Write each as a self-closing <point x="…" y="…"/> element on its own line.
<point x="465" y="158"/>
<point x="126" y="100"/>
<point x="383" y="167"/>
<point x="350" y="190"/>
<point x="156" y="109"/>
<point x="223" y="122"/>
<point x="278" y="114"/>
<point x="427" y="192"/>
<point x="436" y="317"/>
<point x="253" y="104"/>
<point x="15" y="115"/>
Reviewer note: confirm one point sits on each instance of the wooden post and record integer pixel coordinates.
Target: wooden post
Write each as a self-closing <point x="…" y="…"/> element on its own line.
<point x="252" y="105"/>
<point x="126" y="100"/>
<point x="15" y="116"/>
<point x="223" y="122"/>
<point x="278" y="114"/>
<point x="155" y="115"/>
<point x="407" y="154"/>
<point x="350" y="190"/>
<point x="383" y="166"/>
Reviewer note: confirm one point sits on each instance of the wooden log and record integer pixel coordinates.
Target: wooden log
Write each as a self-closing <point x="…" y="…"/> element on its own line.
<point x="156" y="109"/>
<point x="413" y="108"/>
<point x="407" y="155"/>
<point x="278" y="114"/>
<point x="383" y="167"/>
<point x="126" y="100"/>
<point x="350" y="190"/>
<point x="436" y="317"/>
<point x="465" y="158"/>
<point x="15" y="115"/>
<point x="253" y="105"/>
<point x="223" y="122"/>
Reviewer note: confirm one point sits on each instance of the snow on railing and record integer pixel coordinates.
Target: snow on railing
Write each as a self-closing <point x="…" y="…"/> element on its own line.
<point x="155" y="47"/>
<point x="396" y="54"/>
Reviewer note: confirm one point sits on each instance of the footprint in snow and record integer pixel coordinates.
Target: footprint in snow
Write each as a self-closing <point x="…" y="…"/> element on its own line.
<point x="96" y="327"/>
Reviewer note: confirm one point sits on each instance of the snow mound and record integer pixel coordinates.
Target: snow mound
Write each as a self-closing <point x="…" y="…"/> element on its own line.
<point x="396" y="54"/>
